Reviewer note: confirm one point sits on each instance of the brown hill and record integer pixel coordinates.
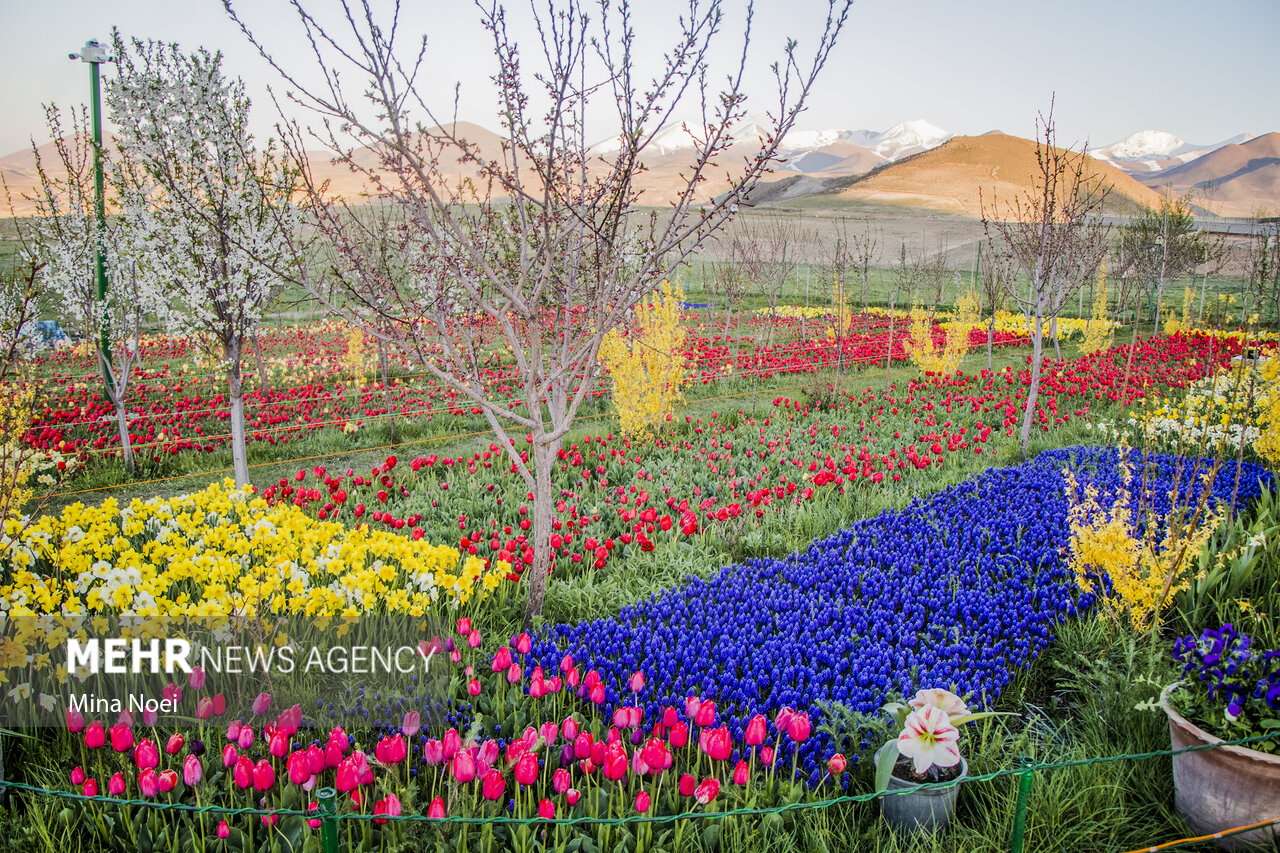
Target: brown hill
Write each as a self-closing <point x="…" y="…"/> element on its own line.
<point x="1234" y="180"/>
<point x="966" y="172"/>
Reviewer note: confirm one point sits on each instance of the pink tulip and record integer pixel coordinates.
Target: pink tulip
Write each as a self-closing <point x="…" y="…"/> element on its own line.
<point x="315" y="759"/>
<point x="754" y="735"/>
<point x="196" y="678"/>
<point x="95" y="735"/>
<point x="346" y="779"/>
<point x="766" y="756"/>
<point x="204" y="708"/>
<point x="116" y="785"/>
<point x="836" y="764"/>
<point x="261" y="703"/>
<point x="279" y="745"/>
<point x="679" y="735"/>
<point x="175" y="743"/>
<point x="569" y="728"/>
<point x="150" y="717"/>
<point x="494" y="785"/>
<point x="686" y="785"/>
<point x="391" y="750"/>
<point x="473" y="639"/>
<point x="473" y="687"/>
<point x="433" y="752"/>
<point x="707" y="791"/>
<point x="706" y="715"/>
<point x="224" y="831"/>
<point x="411" y="723"/>
<point x="691" y="707"/>
<point x="436" y="809"/>
<point x="298" y="769"/>
<point x="77" y="776"/>
<point x="229" y="755"/>
<point x="289" y="720"/>
<point x="637" y="681"/>
<point x="90" y="788"/>
<point x="389" y="806"/>
<point x="452" y="743"/>
<point x="246" y="737"/>
<point x="502" y="660"/>
<point x="615" y="763"/>
<point x="313" y="822"/>
<point x="264" y="775"/>
<point x="148" y="784"/>
<point x="121" y="738"/>
<point x="800" y="727"/>
<point x="741" y="773"/>
<point x="527" y="769"/>
<point x="566" y="664"/>
<point x="242" y="772"/>
<point x="718" y="745"/>
<point x="464" y="767"/>
<point x="219" y="705"/>
<point x="270" y="819"/>
<point x="523" y="644"/>
<point x="192" y="771"/>
<point x="464" y="626"/>
<point x="146" y="755"/>
<point x="167" y="780"/>
<point x="514" y="673"/>
<point x="642" y="802"/>
<point x="561" y="780"/>
<point x="172" y="693"/>
<point x="75" y="721"/>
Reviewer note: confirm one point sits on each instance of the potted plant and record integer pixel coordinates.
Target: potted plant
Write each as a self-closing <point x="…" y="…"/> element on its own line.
<point x="926" y="750"/>
<point x="1229" y="690"/>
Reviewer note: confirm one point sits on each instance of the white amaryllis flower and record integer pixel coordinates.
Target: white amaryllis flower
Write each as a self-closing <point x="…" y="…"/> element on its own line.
<point x="943" y="700"/>
<point x="928" y="738"/>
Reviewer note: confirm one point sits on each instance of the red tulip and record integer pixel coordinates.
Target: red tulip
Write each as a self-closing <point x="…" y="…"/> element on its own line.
<point x="242" y="773"/>
<point x="706" y="714"/>
<point x="90" y="788"/>
<point x="75" y="721"/>
<point x="174" y="744"/>
<point x="686" y="785"/>
<point x="464" y="767"/>
<point x="560" y="780"/>
<point x="615" y="762"/>
<point x="800" y="728"/>
<point x="766" y="756"/>
<point x="571" y="796"/>
<point x="95" y="735"/>
<point x="436" y="809"/>
<point x="679" y="735"/>
<point x="546" y="809"/>
<point x="116" y="785"/>
<point x="121" y="738"/>
<point x="836" y="764"/>
<point x="719" y="743"/>
<point x="146" y="755"/>
<point x="389" y="806"/>
<point x="224" y="831"/>
<point x="754" y="735"/>
<point x="148" y="784"/>
<point x="642" y="802"/>
<point x="741" y="773"/>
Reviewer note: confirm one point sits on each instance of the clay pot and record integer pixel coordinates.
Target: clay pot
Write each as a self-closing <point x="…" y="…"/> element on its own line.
<point x="1223" y="788"/>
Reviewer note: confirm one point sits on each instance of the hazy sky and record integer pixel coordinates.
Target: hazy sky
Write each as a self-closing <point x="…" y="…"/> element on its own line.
<point x="1200" y="71"/>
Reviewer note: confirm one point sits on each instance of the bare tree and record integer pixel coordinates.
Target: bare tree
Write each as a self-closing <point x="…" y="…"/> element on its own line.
<point x="863" y="249"/>
<point x="1162" y="244"/>
<point x="537" y="248"/>
<point x="1052" y="235"/>
<point x="1262" y="266"/>
<point x="769" y="252"/>
<point x="996" y="271"/>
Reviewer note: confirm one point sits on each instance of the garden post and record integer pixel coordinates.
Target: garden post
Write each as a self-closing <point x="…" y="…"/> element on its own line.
<point x="328" y="820"/>
<point x="1024" y="796"/>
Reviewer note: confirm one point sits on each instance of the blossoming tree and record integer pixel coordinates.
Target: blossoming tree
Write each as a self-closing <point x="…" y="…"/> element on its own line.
<point x="530" y="247"/>
<point x="63" y="239"/>
<point x="212" y="211"/>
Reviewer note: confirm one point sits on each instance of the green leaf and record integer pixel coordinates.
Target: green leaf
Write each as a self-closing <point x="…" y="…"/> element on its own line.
<point x="961" y="719"/>
<point x="888" y="756"/>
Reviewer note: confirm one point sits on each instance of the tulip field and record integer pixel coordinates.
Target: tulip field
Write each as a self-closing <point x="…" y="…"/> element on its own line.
<point x="814" y="533"/>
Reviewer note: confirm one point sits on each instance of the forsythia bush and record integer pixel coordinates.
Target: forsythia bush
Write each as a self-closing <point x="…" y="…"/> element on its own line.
<point x="647" y="364"/>
<point x="924" y="351"/>
<point x="357" y="349"/>
<point x="1142" y="567"/>
<point x="1268" y="443"/>
<point x="1097" y="334"/>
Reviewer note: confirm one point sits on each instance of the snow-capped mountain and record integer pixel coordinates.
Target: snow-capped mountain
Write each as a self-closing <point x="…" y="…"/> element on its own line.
<point x="901" y="140"/>
<point x="1156" y="150"/>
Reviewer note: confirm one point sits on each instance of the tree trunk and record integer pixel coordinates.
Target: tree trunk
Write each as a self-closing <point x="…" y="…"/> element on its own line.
<point x="1037" y="348"/>
<point x="1057" y="348"/>
<point x="864" y="288"/>
<point x="1133" y="345"/>
<point x="386" y="388"/>
<point x="235" y="390"/>
<point x="536" y="575"/>
<point x="122" y="425"/>
<point x="888" y="355"/>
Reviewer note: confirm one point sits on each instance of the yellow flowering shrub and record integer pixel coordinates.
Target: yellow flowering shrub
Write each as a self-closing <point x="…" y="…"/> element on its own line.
<point x="1142" y="571"/>
<point x="925" y="353"/>
<point x="1097" y="334"/>
<point x="647" y="364"/>
<point x="357" y="351"/>
<point x="216" y="562"/>
<point x="1267" y="444"/>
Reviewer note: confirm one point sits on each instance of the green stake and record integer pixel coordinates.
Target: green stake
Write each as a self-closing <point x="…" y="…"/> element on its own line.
<point x="328" y="820"/>
<point x="1024" y="796"/>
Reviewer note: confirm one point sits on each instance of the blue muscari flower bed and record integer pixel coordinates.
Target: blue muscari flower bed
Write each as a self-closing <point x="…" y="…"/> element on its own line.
<point x="962" y="588"/>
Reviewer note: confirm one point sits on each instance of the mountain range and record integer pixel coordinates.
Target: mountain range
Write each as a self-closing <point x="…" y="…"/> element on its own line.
<point x="913" y="164"/>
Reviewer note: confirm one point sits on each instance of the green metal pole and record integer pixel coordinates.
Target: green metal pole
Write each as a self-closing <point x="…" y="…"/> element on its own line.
<point x="100" y="204"/>
<point x="328" y="820"/>
<point x="1024" y="797"/>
